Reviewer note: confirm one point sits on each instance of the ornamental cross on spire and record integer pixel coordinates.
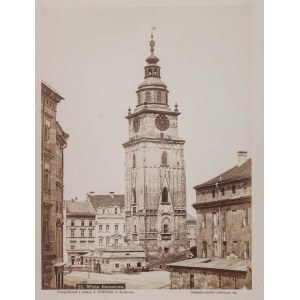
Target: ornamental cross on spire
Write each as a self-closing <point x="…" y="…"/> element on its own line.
<point x="152" y="43"/>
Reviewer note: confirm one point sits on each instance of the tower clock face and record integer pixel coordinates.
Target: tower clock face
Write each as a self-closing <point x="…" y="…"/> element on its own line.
<point x="136" y="124"/>
<point x="162" y="122"/>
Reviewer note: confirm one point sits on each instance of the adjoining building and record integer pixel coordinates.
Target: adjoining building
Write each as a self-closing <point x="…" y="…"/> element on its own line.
<point x="224" y="234"/>
<point x="204" y="273"/>
<point x="110" y="219"/>
<point x="53" y="143"/>
<point x="80" y="231"/>
<point x="224" y="213"/>
<point x="155" y="180"/>
<point x="115" y="259"/>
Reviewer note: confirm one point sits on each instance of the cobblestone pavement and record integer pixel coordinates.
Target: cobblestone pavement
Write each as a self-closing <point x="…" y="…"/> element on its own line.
<point x="144" y="280"/>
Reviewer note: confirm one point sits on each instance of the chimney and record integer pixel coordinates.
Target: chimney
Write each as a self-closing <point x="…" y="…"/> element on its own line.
<point x="242" y="157"/>
<point x="112" y="194"/>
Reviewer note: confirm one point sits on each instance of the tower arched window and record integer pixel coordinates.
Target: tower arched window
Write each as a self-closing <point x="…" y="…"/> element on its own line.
<point x="133" y="161"/>
<point x="167" y="98"/>
<point x="164" y="159"/>
<point x="139" y="99"/>
<point x="158" y="96"/>
<point x="147" y="96"/>
<point x="133" y="196"/>
<point x="165" y="195"/>
<point x="155" y="71"/>
<point x="150" y="72"/>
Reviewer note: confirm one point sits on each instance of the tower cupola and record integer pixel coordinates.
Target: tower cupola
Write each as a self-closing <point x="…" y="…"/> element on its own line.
<point x="152" y="89"/>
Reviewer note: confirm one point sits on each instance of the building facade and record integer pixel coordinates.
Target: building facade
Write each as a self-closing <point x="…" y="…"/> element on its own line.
<point x="115" y="259"/>
<point x="53" y="143"/>
<point x="191" y="231"/>
<point x="110" y="223"/>
<point x="224" y="213"/>
<point x="224" y="237"/>
<point x="155" y="183"/>
<point x="80" y="231"/>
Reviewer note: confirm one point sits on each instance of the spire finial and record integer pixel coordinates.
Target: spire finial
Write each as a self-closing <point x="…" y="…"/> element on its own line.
<point x="152" y="43"/>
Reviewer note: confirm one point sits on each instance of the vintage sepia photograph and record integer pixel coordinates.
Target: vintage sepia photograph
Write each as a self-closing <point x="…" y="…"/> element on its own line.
<point x="147" y="138"/>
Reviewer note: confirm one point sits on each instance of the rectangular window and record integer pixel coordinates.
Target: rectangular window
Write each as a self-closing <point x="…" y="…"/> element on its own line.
<point x="107" y="228"/>
<point x="245" y="219"/>
<point x="223" y="191"/>
<point x="90" y="223"/>
<point x="100" y="228"/>
<point x="235" y="246"/>
<point x="204" y="221"/>
<point x="72" y="247"/>
<point x="90" y="233"/>
<point x="139" y="264"/>
<point x="191" y="281"/>
<point x="103" y="211"/>
<point x="117" y="265"/>
<point x="247" y="250"/>
<point x="72" y="223"/>
<point x="215" y="247"/>
<point x="82" y="222"/>
<point x="165" y="228"/>
<point x="234" y="282"/>
<point x="213" y="193"/>
<point x="82" y="232"/>
<point x="116" y="242"/>
<point x="47" y="129"/>
<point x="116" y="228"/>
<point x="128" y="265"/>
<point x="215" y="219"/>
<point x="107" y="241"/>
<point x="134" y="209"/>
<point x="204" y="249"/>
<point x="124" y="228"/>
<point x="224" y="249"/>
<point x="116" y="211"/>
<point x="100" y="242"/>
<point x="72" y="232"/>
<point x="233" y="189"/>
<point x="219" y="280"/>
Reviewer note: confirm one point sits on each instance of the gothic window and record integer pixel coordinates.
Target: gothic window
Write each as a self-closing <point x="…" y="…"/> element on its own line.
<point x="164" y="197"/>
<point x="134" y="196"/>
<point x="158" y="96"/>
<point x="164" y="159"/>
<point x="147" y="96"/>
<point x="133" y="161"/>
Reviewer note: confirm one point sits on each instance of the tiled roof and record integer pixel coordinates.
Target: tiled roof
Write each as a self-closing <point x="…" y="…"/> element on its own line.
<point x="107" y="200"/>
<point x="236" y="173"/>
<point x="79" y="207"/>
<point x="218" y="264"/>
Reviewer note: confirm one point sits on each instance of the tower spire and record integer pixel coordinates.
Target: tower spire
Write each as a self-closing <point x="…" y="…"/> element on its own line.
<point x="152" y="42"/>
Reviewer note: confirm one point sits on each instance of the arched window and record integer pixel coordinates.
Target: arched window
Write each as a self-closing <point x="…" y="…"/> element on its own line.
<point x="167" y="98"/>
<point x="133" y="161"/>
<point x="134" y="229"/>
<point x="164" y="159"/>
<point x="164" y="197"/>
<point x="165" y="225"/>
<point x="150" y="72"/>
<point x="155" y="71"/>
<point x="134" y="196"/>
<point x="139" y="99"/>
<point x="158" y="96"/>
<point x="147" y="96"/>
<point x="72" y="260"/>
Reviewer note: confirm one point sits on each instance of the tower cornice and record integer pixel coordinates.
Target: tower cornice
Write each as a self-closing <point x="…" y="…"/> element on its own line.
<point x="153" y="140"/>
<point x="152" y="111"/>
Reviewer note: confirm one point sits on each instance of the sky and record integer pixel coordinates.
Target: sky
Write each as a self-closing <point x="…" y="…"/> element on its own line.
<point x="95" y="56"/>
